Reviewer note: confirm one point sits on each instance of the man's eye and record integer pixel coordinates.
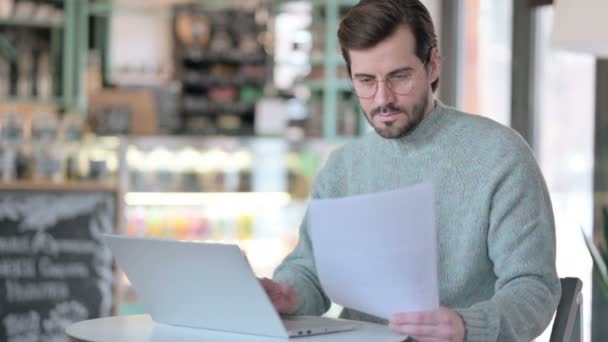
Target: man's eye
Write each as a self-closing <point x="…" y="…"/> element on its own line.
<point x="366" y="81"/>
<point x="401" y="77"/>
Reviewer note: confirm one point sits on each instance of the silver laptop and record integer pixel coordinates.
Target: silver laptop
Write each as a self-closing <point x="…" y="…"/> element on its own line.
<point x="207" y="285"/>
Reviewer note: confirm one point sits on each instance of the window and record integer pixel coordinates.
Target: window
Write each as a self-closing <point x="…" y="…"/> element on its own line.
<point x="564" y="124"/>
<point x="487" y="59"/>
<point x="564" y="120"/>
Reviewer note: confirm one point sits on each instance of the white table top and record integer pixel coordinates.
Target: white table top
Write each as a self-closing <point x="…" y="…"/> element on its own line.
<point x="141" y="328"/>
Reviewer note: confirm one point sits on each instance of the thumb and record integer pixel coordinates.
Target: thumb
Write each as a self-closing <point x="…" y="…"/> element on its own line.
<point x="267" y="284"/>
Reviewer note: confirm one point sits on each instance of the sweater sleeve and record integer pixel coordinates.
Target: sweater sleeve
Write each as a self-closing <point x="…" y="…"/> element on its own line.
<point x="521" y="245"/>
<point x="298" y="269"/>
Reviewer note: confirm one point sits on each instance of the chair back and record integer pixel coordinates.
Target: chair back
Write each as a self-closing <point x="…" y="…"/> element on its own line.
<point x="567" y="323"/>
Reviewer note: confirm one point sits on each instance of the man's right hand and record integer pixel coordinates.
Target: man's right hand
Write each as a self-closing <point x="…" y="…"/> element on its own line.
<point x="283" y="297"/>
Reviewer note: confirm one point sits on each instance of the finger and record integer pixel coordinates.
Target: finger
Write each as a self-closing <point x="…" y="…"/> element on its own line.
<point x="430" y="339"/>
<point x="268" y="283"/>
<point x="272" y="289"/>
<point x="290" y="295"/>
<point x="415" y="331"/>
<point x="286" y="289"/>
<point x="285" y="306"/>
<point x="420" y="318"/>
<point x="442" y="332"/>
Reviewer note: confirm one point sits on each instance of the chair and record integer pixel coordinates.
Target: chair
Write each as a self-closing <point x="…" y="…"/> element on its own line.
<point x="567" y="326"/>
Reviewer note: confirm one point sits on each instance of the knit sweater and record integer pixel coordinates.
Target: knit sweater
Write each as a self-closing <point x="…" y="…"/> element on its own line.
<point x="494" y="221"/>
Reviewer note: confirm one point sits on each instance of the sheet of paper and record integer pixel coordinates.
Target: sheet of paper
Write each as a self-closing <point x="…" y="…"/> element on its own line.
<point x="377" y="253"/>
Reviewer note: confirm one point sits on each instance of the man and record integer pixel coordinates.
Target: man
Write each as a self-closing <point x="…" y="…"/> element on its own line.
<point x="495" y="228"/>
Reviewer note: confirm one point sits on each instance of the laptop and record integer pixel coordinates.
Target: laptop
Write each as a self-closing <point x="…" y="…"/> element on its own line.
<point x="209" y="286"/>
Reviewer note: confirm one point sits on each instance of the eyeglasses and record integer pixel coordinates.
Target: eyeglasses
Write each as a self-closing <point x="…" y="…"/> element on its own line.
<point x="400" y="83"/>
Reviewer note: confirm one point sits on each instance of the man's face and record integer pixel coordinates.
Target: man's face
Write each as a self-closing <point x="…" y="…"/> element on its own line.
<point x="394" y="115"/>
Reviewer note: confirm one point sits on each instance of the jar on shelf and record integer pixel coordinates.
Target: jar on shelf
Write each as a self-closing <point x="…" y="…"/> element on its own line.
<point x="11" y="129"/>
<point x="49" y="163"/>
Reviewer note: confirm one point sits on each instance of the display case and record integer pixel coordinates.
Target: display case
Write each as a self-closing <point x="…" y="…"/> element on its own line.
<point x="248" y="191"/>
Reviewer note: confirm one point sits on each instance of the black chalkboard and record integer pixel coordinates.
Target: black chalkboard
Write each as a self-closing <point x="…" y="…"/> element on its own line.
<point x="54" y="269"/>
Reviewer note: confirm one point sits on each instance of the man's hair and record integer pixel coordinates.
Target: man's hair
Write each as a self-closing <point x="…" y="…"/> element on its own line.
<point x="371" y="21"/>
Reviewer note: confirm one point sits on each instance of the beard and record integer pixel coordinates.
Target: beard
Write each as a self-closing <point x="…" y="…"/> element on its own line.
<point x="403" y="125"/>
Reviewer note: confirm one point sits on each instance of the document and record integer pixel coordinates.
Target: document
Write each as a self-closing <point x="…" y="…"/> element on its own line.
<point x="377" y="253"/>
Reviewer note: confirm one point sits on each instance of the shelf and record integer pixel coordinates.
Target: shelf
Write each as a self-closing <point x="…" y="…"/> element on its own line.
<point x="315" y="85"/>
<point x="30" y="100"/>
<point x="319" y="85"/>
<point x="177" y="142"/>
<point x="331" y="88"/>
<point x="229" y="56"/>
<point x="84" y="186"/>
<point x="335" y="59"/>
<point x="204" y="80"/>
<point x="318" y="60"/>
<point x="225" y="199"/>
<point x="104" y="8"/>
<point x="343" y="85"/>
<point x="30" y="23"/>
<point x="198" y="105"/>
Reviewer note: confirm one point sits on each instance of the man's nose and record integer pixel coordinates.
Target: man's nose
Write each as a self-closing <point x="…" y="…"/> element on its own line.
<point x="383" y="95"/>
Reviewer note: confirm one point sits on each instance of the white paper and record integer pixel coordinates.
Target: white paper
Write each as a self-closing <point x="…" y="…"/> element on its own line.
<point x="377" y="253"/>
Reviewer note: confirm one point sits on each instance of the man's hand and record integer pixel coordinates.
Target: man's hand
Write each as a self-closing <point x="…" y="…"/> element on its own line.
<point x="441" y="324"/>
<point x="283" y="297"/>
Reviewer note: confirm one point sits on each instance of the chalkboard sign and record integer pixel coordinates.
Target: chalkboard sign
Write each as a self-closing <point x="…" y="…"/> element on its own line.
<point x="54" y="269"/>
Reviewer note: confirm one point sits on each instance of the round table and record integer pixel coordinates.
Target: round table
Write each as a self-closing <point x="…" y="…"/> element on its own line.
<point x="141" y="328"/>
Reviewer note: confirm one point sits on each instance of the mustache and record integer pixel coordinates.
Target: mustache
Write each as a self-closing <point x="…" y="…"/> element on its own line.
<point x="387" y="109"/>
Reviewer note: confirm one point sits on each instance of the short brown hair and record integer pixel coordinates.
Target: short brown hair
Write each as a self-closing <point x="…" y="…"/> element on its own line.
<point x="371" y="21"/>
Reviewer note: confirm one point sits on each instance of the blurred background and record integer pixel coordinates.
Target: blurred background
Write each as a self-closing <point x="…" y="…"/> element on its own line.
<point x="208" y="120"/>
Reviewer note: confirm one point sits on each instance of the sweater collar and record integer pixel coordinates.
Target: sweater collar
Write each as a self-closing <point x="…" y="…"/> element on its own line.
<point x="424" y="130"/>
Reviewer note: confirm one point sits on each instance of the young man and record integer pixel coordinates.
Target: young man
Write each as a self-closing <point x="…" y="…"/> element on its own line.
<point x="496" y="234"/>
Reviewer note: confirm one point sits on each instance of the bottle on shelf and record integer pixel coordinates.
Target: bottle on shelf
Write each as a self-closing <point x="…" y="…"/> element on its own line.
<point x="25" y="72"/>
<point x="46" y="148"/>
<point x="44" y="77"/>
<point x="5" y="77"/>
<point x="11" y="139"/>
<point x="71" y="134"/>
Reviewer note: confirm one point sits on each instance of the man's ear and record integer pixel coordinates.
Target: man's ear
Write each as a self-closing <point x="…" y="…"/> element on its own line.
<point x="434" y="64"/>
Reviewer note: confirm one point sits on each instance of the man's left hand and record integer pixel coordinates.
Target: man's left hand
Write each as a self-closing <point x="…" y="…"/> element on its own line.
<point x="441" y="324"/>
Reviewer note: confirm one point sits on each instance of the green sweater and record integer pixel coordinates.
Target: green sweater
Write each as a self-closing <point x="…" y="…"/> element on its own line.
<point x="495" y="227"/>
